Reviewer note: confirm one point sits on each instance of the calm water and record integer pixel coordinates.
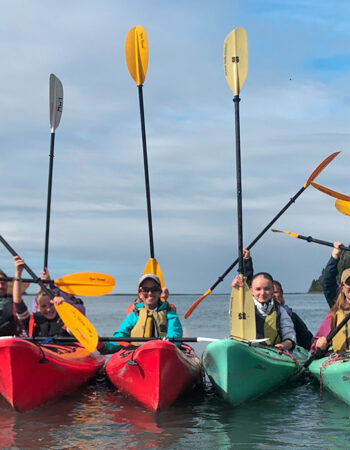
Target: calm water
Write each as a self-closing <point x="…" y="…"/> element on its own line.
<point x="98" y="417"/>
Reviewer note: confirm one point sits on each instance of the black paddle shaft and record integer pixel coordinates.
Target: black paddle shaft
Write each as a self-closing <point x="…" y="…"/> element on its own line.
<point x="260" y="235"/>
<point x="48" y="207"/>
<point x="28" y="269"/>
<point x="145" y="163"/>
<point x="236" y="101"/>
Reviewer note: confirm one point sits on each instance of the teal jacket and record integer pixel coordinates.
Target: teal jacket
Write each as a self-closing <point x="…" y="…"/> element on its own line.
<point x="174" y="328"/>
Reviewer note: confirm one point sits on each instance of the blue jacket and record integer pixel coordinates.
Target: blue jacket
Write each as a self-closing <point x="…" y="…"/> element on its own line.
<point x="174" y="328"/>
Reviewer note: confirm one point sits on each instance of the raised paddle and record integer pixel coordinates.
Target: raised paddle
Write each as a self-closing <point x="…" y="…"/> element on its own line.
<point x="328" y="191"/>
<point x="312" y="177"/>
<point x="136" y="55"/>
<point x="76" y="322"/>
<point x="319" y="353"/>
<point x="242" y="312"/>
<point x="342" y="206"/>
<point x="310" y="239"/>
<point x="88" y="284"/>
<point x="56" y="106"/>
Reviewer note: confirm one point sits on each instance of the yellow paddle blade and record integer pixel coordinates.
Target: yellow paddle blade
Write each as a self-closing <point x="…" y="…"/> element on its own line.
<point x="343" y="206"/>
<point x="78" y="325"/>
<point x="89" y="284"/>
<point x="236" y="59"/>
<point x="328" y="191"/>
<point x="136" y="53"/>
<point x="152" y="266"/>
<point x="24" y="287"/>
<point x="286" y="232"/>
<point x="242" y="313"/>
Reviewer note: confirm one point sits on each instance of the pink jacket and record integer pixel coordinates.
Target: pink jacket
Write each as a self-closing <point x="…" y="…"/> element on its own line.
<point x="324" y="330"/>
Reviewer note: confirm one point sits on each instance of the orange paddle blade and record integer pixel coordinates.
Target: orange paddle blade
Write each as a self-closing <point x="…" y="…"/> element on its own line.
<point x="89" y="284"/>
<point x="152" y="266"/>
<point x="136" y="53"/>
<point x="328" y="191"/>
<point x="320" y="167"/>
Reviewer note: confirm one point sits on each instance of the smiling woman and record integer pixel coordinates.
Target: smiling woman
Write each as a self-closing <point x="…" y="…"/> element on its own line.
<point x="151" y="317"/>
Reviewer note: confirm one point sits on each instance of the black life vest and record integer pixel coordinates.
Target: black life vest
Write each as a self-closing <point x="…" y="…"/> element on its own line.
<point x="8" y="324"/>
<point x="40" y="326"/>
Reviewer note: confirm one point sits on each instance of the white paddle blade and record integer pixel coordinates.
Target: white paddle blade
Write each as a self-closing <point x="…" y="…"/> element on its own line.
<point x="56" y="101"/>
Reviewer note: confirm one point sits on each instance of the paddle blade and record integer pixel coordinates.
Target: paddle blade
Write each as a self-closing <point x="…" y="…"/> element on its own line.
<point x="89" y="284"/>
<point x="320" y="167"/>
<point x="196" y="303"/>
<point x="236" y="59"/>
<point x="136" y="53"/>
<point x="24" y="287"/>
<point x="343" y="206"/>
<point x="242" y="313"/>
<point x="328" y="191"/>
<point x="286" y="232"/>
<point x="56" y="101"/>
<point x="78" y="325"/>
<point x="152" y="266"/>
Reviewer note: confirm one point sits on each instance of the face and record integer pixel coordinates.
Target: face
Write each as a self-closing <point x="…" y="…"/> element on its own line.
<point x="3" y="288"/>
<point x="150" y="298"/>
<point x="45" y="307"/>
<point x="262" y="289"/>
<point x="278" y="294"/>
<point x="346" y="291"/>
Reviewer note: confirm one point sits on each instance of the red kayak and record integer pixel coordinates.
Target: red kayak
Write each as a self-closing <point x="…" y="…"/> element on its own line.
<point x="33" y="374"/>
<point x="156" y="373"/>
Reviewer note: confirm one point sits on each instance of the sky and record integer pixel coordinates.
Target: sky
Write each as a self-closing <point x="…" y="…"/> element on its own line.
<point x="294" y="112"/>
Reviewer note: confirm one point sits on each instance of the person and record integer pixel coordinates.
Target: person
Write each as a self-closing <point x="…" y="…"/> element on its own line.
<point x="46" y="321"/>
<point x="69" y="298"/>
<point x="303" y="334"/>
<point x="272" y="320"/>
<point x="164" y="297"/>
<point x="329" y="280"/>
<point x="9" y="325"/>
<point x="151" y="317"/>
<point x="341" y="307"/>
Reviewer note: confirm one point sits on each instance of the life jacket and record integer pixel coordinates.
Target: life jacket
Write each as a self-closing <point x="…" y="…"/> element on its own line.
<point x="341" y="341"/>
<point x="40" y="326"/>
<point x="269" y="326"/>
<point x="8" y="323"/>
<point x="150" y="323"/>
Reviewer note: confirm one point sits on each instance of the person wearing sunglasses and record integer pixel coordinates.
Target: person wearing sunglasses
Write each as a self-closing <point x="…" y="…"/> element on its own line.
<point x="152" y="317"/>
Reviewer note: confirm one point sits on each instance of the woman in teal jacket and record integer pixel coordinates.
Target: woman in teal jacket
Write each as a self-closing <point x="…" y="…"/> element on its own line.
<point x="150" y="318"/>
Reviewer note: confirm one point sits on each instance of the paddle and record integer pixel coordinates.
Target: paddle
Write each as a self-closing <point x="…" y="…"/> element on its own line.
<point x="328" y="191"/>
<point x="310" y="239"/>
<point x="56" y="106"/>
<point x="319" y="353"/>
<point x="142" y="339"/>
<point x="343" y="206"/>
<point x="88" y="284"/>
<point x="78" y="324"/>
<point x="242" y="312"/>
<point x="314" y="174"/>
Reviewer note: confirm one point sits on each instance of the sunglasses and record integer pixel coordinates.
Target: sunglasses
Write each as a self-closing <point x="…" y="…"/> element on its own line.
<point x="144" y="290"/>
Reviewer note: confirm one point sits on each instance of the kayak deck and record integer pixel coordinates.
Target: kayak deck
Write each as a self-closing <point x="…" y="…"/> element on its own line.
<point x="241" y="372"/>
<point x="333" y="372"/>
<point x="33" y="374"/>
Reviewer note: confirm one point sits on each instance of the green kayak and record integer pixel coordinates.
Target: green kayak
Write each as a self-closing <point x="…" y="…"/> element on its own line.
<point x="243" y="370"/>
<point x="333" y="372"/>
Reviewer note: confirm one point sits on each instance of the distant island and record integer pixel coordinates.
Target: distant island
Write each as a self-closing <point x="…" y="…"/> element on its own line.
<point x="344" y="263"/>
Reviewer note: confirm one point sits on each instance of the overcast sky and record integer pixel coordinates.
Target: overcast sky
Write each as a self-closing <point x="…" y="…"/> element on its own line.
<point x="294" y="112"/>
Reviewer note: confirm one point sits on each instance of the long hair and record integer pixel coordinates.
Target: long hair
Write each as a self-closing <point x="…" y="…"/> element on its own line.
<point x="340" y="303"/>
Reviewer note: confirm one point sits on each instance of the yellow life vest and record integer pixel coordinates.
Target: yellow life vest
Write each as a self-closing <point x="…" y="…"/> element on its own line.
<point x="267" y="327"/>
<point x="147" y="320"/>
<point x="341" y="340"/>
